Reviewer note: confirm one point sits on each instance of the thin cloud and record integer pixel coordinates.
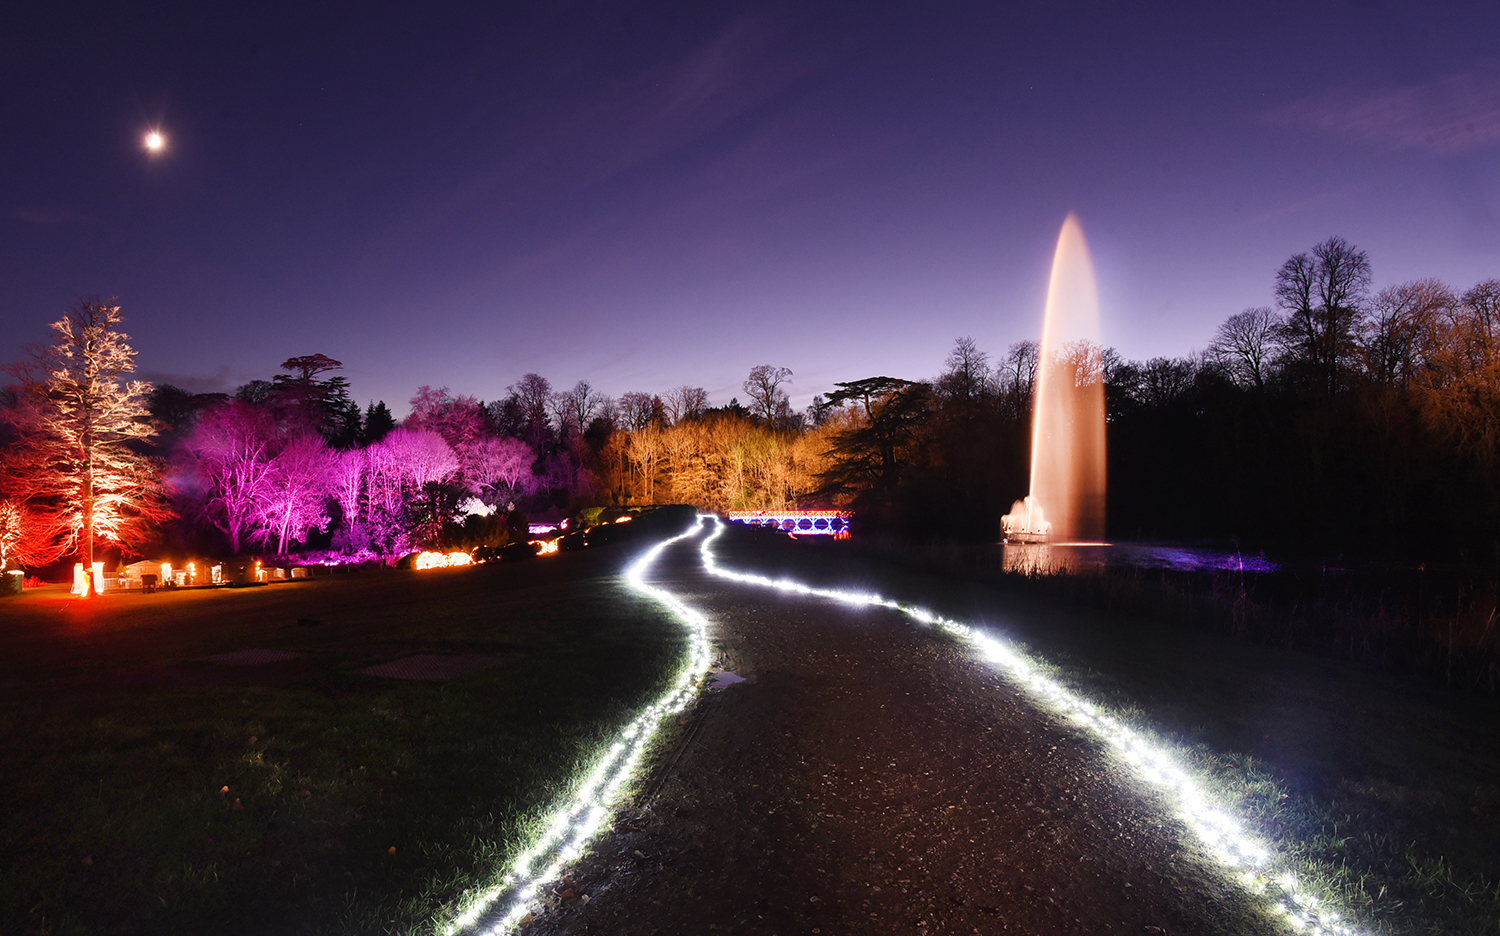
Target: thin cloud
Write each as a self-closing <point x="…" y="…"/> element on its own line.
<point x="1301" y="206"/>
<point x="1450" y="114"/>
<point x="53" y="217"/>
<point x="192" y="383"/>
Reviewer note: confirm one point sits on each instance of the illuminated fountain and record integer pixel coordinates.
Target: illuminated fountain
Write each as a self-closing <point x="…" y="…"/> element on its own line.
<point x="1066" y="503"/>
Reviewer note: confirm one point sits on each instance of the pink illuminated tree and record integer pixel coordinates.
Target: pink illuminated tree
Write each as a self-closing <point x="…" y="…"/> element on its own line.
<point x="459" y="420"/>
<point x="230" y="455"/>
<point x="497" y="471"/>
<point x="296" y="490"/>
<point x="347" y="482"/>
<point x="404" y="470"/>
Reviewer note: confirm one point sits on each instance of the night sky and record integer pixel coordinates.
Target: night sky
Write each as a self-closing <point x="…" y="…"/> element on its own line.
<point x="643" y="195"/>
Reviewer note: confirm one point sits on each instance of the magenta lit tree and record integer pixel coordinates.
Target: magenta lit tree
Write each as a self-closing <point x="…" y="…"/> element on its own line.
<point x="296" y="490"/>
<point x="231" y="454"/>
<point x="403" y="471"/>
<point x="497" y="471"/>
<point x="347" y="483"/>
<point x="461" y="421"/>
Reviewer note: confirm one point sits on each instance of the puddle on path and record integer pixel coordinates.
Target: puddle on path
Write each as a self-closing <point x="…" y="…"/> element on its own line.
<point x="722" y="679"/>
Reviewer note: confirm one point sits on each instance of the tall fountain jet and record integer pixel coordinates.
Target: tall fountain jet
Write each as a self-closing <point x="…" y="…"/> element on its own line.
<point x="1066" y="503"/>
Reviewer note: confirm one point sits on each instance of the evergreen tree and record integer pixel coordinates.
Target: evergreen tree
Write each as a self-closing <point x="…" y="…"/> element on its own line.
<point x="378" y="423"/>
<point x="72" y="463"/>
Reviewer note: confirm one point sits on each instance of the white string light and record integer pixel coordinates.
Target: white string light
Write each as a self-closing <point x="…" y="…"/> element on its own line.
<point x="573" y="824"/>
<point x="1246" y="858"/>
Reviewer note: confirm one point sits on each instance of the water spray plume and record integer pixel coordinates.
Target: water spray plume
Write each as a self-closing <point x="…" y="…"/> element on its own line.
<point x="1066" y="502"/>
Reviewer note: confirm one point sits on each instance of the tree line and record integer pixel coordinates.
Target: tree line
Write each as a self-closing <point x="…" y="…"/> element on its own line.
<point x="1334" y="417"/>
<point x="92" y="456"/>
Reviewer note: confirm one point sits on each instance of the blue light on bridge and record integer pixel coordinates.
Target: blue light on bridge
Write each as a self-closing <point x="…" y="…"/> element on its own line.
<point x="834" y="523"/>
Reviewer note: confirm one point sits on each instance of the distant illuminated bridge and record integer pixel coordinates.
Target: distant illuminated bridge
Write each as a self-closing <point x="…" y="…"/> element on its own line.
<point x="834" y="523"/>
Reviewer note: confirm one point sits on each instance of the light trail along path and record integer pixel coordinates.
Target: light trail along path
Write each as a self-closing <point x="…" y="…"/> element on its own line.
<point x="871" y="776"/>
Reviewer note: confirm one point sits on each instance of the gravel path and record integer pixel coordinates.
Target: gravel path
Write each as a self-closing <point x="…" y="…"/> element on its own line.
<point x="870" y="777"/>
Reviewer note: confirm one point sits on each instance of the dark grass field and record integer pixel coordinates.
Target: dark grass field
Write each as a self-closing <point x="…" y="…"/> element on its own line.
<point x="354" y="803"/>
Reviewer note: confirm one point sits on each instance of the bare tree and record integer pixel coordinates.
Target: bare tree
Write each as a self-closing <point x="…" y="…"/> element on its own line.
<point x="684" y="403"/>
<point x="24" y="535"/>
<point x="574" y="409"/>
<point x="965" y="373"/>
<point x="459" y="420"/>
<point x="296" y="490"/>
<point x="1246" y="344"/>
<point x="1460" y="386"/>
<point x="635" y="410"/>
<point x="78" y="415"/>
<point x="228" y="455"/>
<point x="403" y="501"/>
<point x="497" y="470"/>
<point x="767" y="399"/>
<point x="347" y="483"/>
<point x="1401" y="333"/>
<point x="1016" y="377"/>
<point x="643" y="451"/>
<point x="531" y="397"/>
<point x="1166" y="380"/>
<point x="1323" y="295"/>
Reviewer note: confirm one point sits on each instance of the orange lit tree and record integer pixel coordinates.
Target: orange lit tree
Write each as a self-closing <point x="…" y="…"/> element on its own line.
<point x="71" y="467"/>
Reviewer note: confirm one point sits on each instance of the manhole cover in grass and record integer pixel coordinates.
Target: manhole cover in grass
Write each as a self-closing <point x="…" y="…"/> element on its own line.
<point x="432" y="666"/>
<point x="252" y="657"/>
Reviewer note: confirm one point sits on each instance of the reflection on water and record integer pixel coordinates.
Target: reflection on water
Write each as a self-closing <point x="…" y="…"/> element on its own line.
<point x="1050" y="558"/>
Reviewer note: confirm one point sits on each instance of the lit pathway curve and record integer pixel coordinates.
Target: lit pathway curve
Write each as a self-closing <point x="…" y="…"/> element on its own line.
<point x="883" y="773"/>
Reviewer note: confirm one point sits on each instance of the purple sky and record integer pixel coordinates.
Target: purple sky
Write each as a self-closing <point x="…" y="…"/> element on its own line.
<point x="644" y="197"/>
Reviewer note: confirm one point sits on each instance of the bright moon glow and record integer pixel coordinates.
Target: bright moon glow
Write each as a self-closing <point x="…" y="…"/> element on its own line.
<point x="155" y="141"/>
<point x="569" y="828"/>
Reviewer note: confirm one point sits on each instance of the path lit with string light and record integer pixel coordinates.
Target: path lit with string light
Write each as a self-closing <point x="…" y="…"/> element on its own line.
<point x="1253" y="864"/>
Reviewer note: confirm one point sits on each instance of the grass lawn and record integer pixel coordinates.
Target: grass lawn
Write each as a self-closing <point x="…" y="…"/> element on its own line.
<point x="354" y="803"/>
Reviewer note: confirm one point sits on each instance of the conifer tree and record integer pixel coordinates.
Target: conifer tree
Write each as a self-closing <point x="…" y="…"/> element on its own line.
<point x="72" y="463"/>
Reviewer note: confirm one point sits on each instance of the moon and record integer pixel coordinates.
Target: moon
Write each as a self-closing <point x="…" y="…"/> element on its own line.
<point x="155" y="141"/>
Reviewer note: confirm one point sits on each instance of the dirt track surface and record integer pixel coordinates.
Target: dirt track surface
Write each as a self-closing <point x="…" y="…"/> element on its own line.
<point x="870" y="776"/>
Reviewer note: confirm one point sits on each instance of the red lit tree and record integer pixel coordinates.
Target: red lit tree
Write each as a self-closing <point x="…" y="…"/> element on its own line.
<point x="71" y="469"/>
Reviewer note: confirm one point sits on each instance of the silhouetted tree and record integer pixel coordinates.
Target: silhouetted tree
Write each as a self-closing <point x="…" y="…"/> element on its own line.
<point x="767" y="398"/>
<point x="1402" y="332"/>
<point x="1246" y="346"/>
<point x="307" y="404"/>
<point x="868" y="456"/>
<point x="1323" y="295"/>
<point x="378" y="422"/>
<point x="637" y="409"/>
<point x="528" y="398"/>
<point x="1016" y="379"/>
<point x="685" y="402"/>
